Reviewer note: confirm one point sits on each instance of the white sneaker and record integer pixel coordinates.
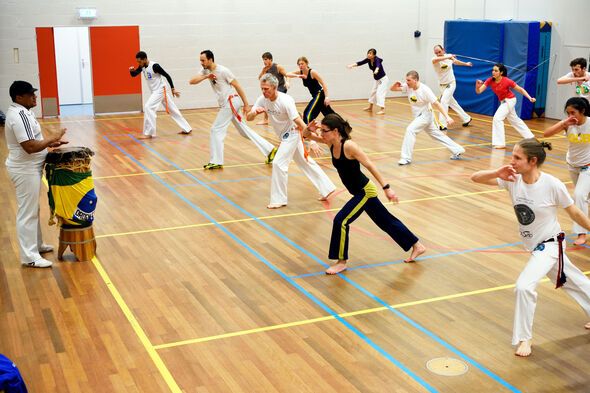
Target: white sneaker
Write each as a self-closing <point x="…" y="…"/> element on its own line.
<point x="45" y="248"/>
<point x="39" y="263"/>
<point x="456" y="156"/>
<point x="403" y="162"/>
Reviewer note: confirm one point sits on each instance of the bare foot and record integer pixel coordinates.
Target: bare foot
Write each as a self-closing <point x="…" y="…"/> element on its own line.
<point x="262" y="123"/>
<point x="368" y="109"/>
<point x="275" y="206"/>
<point x="185" y="132"/>
<point x="417" y="250"/>
<point x="499" y="147"/>
<point x="144" y="137"/>
<point x="587" y="326"/>
<point x="581" y="239"/>
<point x="337" y="268"/>
<point x="325" y="198"/>
<point x="380" y="113"/>
<point x="524" y="349"/>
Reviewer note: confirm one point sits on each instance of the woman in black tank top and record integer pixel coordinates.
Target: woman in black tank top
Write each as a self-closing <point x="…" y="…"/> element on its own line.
<point x="317" y="88"/>
<point x="347" y="157"/>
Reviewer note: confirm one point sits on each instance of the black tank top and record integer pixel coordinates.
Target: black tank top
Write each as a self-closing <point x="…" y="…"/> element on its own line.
<point x="312" y="84"/>
<point x="349" y="171"/>
<point x="275" y="71"/>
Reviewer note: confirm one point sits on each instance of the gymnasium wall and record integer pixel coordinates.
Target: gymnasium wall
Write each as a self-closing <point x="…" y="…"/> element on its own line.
<point x="331" y="33"/>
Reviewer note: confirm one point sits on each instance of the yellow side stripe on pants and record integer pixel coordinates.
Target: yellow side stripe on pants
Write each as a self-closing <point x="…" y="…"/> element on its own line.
<point x="370" y="192"/>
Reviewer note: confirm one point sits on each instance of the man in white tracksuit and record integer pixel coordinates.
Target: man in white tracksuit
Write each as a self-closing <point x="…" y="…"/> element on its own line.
<point x="26" y="156"/>
<point x="421" y="99"/>
<point x="443" y="66"/>
<point x="153" y="73"/>
<point x="230" y="97"/>
<point x="284" y="118"/>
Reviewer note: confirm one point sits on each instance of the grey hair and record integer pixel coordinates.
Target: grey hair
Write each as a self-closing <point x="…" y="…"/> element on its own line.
<point x="270" y="78"/>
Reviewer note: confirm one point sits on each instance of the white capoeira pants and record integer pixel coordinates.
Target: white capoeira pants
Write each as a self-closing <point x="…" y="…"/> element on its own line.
<point x="506" y="111"/>
<point x="545" y="263"/>
<point x="447" y="99"/>
<point x="291" y="147"/>
<point x="28" y="227"/>
<point x="379" y="91"/>
<point x="425" y="122"/>
<point x="219" y="131"/>
<point x="158" y="97"/>
<point x="581" y="178"/>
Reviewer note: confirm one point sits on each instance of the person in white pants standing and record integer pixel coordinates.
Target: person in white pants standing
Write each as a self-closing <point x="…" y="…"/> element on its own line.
<point x="380" y="83"/>
<point x="536" y="196"/>
<point x="230" y="98"/>
<point x="284" y="118"/>
<point x="577" y="131"/>
<point x="443" y="66"/>
<point x="421" y="100"/>
<point x="153" y="73"/>
<point x="501" y="85"/>
<point x="26" y="157"/>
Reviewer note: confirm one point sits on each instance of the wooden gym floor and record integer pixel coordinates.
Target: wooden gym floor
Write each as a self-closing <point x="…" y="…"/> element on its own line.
<point x="197" y="287"/>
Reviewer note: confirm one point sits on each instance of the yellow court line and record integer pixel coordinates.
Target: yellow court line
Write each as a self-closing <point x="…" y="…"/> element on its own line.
<point x="159" y="363"/>
<point x="343" y="315"/>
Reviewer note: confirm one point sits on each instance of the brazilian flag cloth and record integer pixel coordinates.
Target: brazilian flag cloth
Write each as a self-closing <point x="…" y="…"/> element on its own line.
<point x="71" y="195"/>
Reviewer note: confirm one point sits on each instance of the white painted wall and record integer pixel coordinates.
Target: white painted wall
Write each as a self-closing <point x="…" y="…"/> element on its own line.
<point x="331" y="33"/>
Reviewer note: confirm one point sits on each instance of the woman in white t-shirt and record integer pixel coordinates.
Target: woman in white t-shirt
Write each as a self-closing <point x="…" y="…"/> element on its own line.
<point x="536" y="196"/>
<point x="577" y="130"/>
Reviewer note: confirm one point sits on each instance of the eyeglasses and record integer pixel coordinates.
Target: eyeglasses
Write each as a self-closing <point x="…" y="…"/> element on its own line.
<point x="324" y="131"/>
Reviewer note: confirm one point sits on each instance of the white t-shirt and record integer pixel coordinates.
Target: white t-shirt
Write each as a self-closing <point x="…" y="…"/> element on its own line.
<point x="444" y="71"/>
<point x="421" y="99"/>
<point x="154" y="80"/>
<point x="578" y="153"/>
<point x="536" y="206"/>
<point x="221" y="85"/>
<point x="21" y="126"/>
<point x="581" y="89"/>
<point x="281" y="112"/>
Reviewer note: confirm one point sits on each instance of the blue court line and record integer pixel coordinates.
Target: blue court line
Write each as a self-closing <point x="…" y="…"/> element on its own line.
<point x="417" y="259"/>
<point x="276" y="270"/>
<point x="289" y="241"/>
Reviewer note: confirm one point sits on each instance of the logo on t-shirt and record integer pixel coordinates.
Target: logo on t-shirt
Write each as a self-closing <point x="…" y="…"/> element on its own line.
<point x="444" y="66"/>
<point x="413" y="99"/>
<point x="148" y="75"/>
<point x="524" y="214"/>
<point x="583" y="89"/>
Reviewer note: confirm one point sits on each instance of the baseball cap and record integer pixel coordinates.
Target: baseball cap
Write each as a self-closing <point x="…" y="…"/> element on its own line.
<point x="19" y="88"/>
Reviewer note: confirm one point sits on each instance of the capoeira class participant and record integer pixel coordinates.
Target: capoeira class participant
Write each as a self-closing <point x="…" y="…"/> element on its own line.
<point x="577" y="130"/>
<point x="443" y="67"/>
<point x="320" y="102"/>
<point x="279" y="72"/>
<point x="347" y="157"/>
<point x="421" y="100"/>
<point x="579" y="78"/>
<point x="26" y="158"/>
<point x="283" y="117"/>
<point x="225" y="85"/>
<point x="501" y="85"/>
<point x="536" y="196"/>
<point x="153" y="74"/>
<point x="379" y="90"/>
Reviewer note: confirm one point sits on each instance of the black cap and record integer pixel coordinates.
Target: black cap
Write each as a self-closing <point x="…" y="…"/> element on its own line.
<point x="19" y="88"/>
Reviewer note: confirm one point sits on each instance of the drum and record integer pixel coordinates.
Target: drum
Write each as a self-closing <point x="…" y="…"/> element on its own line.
<point x="71" y="189"/>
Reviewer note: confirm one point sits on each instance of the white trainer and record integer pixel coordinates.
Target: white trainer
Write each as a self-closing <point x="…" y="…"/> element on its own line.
<point x="45" y="248"/>
<point x="456" y="156"/>
<point x="403" y="162"/>
<point x="39" y="263"/>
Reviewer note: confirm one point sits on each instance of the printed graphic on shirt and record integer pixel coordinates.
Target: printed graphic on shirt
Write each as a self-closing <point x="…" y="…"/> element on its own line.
<point x="583" y="89"/>
<point x="579" y="138"/>
<point x="444" y="66"/>
<point x="524" y="214"/>
<point x="148" y="75"/>
<point x="413" y="99"/>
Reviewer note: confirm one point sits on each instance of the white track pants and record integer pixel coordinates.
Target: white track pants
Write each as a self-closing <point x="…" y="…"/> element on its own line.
<point x="291" y="147"/>
<point x="151" y="106"/>
<point x="379" y="91"/>
<point x="28" y="227"/>
<point x="425" y="122"/>
<point x="447" y="99"/>
<point x="545" y="263"/>
<point x="581" y="178"/>
<point x="219" y="131"/>
<point x="506" y="111"/>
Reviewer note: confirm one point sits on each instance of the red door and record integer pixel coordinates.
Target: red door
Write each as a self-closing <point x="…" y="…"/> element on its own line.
<point x="113" y="50"/>
<point x="47" y="72"/>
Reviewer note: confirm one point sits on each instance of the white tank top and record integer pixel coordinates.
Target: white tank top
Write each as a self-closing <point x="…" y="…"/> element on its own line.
<point x="154" y="80"/>
<point x="578" y="153"/>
